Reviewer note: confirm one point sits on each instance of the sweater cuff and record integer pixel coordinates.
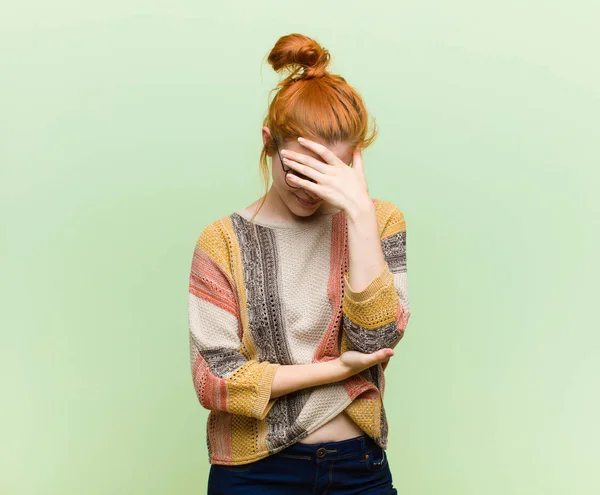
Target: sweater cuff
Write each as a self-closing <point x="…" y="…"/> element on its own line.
<point x="263" y="405"/>
<point x="384" y="279"/>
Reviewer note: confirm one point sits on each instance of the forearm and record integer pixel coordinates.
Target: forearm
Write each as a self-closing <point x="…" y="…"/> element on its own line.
<point x="373" y="315"/>
<point x="291" y="377"/>
<point x="364" y="244"/>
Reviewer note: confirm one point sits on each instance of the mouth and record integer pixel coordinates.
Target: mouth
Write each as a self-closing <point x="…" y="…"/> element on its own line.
<point x="306" y="202"/>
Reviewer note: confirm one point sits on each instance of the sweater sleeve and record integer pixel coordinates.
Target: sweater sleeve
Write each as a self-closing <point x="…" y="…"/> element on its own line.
<point x="224" y="377"/>
<point x="376" y="317"/>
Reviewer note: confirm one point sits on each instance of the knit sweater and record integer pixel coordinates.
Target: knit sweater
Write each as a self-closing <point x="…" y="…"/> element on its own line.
<point x="272" y="294"/>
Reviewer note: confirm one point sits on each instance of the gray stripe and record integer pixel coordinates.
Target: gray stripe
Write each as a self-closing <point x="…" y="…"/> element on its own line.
<point x="394" y="251"/>
<point x="364" y="340"/>
<point x="223" y="361"/>
<point x="260" y="262"/>
<point x="282" y="419"/>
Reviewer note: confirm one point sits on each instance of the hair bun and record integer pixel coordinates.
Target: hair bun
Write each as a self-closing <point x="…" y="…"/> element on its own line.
<point x="302" y="56"/>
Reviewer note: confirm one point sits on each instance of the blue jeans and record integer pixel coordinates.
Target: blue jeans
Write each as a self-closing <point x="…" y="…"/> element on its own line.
<point x="353" y="466"/>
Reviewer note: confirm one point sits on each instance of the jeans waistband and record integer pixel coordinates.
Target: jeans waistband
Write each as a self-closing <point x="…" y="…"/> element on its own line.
<point x="330" y="450"/>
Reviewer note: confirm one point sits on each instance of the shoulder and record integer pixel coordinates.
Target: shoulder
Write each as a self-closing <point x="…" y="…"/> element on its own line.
<point x="389" y="217"/>
<point x="214" y="240"/>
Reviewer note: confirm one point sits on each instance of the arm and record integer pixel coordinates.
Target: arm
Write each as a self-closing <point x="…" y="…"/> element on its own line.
<point x="292" y="377"/>
<point x="224" y="377"/>
<point x="374" y="317"/>
<point x="375" y="304"/>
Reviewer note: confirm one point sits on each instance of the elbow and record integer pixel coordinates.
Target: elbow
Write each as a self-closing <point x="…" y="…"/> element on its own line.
<point x="246" y="392"/>
<point x="371" y="340"/>
<point x="394" y="343"/>
<point x="401" y="322"/>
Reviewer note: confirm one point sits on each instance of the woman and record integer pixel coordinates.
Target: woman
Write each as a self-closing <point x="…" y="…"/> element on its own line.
<point x="297" y="301"/>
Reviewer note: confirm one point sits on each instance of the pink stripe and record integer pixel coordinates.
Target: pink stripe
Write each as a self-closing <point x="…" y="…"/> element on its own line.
<point x="208" y="282"/>
<point x="327" y="347"/>
<point x="210" y="390"/>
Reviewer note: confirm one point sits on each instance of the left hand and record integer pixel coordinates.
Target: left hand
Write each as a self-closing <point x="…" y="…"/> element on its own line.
<point x="337" y="183"/>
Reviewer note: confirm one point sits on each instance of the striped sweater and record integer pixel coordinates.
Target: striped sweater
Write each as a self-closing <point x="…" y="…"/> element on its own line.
<point x="278" y="294"/>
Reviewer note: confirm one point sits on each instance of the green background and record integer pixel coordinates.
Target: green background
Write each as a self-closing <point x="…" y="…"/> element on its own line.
<point x="127" y="126"/>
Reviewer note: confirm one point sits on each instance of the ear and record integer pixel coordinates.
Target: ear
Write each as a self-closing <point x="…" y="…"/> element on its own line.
<point x="267" y="138"/>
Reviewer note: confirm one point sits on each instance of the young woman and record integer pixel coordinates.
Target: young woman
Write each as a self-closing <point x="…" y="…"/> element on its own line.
<point x="297" y="301"/>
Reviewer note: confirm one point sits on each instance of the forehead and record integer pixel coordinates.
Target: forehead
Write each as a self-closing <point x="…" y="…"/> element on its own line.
<point x="343" y="149"/>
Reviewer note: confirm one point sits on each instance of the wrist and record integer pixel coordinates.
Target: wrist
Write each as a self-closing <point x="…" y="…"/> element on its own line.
<point x="340" y="370"/>
<point x="360" y="208"/>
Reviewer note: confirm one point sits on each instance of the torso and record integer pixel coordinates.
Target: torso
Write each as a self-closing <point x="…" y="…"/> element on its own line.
<point x="341" y="427"/>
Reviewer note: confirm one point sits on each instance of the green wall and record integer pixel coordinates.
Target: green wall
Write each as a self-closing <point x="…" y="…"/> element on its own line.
<point x="127" y="126"/>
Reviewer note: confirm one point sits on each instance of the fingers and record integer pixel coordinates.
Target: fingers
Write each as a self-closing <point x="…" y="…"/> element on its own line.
<point x="380" y="356"/>
<point x="328" y="155"/>
<point x="359" y="361"/>
<point x="385" y="355"/>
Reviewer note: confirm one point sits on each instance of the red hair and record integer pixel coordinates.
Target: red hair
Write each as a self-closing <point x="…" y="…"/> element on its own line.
<point x="311" y="102"/>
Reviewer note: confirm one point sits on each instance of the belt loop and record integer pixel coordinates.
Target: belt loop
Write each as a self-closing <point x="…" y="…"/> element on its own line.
<point x="362" y="446"/>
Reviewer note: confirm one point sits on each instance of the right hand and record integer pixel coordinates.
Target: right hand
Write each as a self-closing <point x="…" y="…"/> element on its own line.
<point x="354" y="361"/>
